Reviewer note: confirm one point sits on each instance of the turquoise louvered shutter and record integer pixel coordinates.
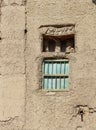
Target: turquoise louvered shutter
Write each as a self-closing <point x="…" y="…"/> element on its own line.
<point x="54" y="68"/>
<point x="56" y="74"/>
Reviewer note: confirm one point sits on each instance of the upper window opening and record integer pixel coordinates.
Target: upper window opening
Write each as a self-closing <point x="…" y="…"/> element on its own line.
<point x="59" y="44"/>
<point x="58" y="38"/>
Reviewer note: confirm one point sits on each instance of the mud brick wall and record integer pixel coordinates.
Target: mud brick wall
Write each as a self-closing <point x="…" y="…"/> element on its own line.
<point x="23" y="103"/>
<point x="12" y="64"/>
<point x="60" y="110"/>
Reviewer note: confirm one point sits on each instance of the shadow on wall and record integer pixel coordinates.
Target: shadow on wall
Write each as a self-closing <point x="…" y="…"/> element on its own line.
<point x="94" y="1"/>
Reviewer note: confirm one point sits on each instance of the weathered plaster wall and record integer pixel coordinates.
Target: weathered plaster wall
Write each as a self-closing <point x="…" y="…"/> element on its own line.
<point x="23" y="104"/>
<point x="12" y="64"/>
<point x="59" y="110"/>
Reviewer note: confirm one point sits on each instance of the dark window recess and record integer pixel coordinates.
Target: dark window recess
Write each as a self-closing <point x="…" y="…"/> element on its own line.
<point x="63" y="46"/>
<point x="59" y="44"/>
<point x="51" y="45"/>
<point x="48" y="45"/>
<point x="67" y="45"/>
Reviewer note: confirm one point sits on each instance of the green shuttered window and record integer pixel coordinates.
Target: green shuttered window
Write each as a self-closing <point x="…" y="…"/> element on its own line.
<point x="56" y="74"/>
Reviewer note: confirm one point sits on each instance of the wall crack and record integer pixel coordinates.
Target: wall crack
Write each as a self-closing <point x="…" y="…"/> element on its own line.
<point x="25" y="32"/>
<point x="82" y="110"/>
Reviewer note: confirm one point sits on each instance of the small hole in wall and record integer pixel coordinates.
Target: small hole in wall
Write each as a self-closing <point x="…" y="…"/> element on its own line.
<point x="59" y="43"/>
<point x="25" y="31"/>
<point x="81" y="113"/>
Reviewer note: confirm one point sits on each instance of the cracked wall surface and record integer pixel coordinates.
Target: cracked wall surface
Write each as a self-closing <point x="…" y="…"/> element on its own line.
<point x="59" y="110"/>
<point x="12" y="64"/>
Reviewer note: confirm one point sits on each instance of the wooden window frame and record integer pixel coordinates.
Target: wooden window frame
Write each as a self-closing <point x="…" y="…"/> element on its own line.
<point x="57" y="76"/>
